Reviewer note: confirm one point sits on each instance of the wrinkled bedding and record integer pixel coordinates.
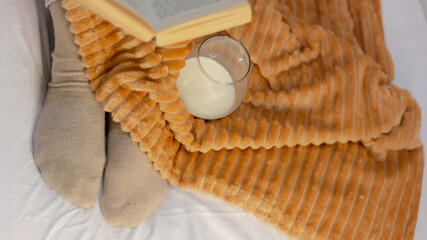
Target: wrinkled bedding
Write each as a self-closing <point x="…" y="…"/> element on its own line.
<point x="31" y="210"/>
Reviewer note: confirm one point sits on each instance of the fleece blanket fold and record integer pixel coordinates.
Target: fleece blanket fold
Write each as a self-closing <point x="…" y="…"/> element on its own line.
<point x="323" y="146"/>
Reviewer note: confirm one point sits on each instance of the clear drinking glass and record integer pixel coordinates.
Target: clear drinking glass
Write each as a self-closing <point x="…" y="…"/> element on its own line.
<point x="214" y="80"/>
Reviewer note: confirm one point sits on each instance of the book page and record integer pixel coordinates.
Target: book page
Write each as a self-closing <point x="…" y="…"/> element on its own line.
<point x="163" y="14"/>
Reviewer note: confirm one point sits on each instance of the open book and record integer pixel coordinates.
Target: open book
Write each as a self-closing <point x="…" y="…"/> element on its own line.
<point x="171" y="21"/>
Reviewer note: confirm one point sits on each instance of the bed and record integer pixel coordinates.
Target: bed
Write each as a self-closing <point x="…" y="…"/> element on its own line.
<point x="31" y="210"/>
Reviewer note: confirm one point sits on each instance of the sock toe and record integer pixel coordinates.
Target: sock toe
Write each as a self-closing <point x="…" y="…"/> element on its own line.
<point x="132" y="188"/>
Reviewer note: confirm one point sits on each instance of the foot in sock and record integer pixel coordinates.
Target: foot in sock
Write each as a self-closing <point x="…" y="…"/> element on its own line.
<point x="69" y="141"/>
<point x="132" y="188"/>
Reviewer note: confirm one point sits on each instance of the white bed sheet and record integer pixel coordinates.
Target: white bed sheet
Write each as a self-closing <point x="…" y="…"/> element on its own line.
<point x="31" y="210"/>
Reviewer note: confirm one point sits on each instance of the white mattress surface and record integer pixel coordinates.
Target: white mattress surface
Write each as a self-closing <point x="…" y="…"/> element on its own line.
<point x="31" y="210"/>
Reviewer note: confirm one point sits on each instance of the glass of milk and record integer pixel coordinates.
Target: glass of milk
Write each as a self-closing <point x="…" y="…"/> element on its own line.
<point x="214" y="80"/>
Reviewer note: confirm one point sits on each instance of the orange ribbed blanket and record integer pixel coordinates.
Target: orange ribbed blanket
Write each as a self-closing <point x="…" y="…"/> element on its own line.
<point x="323" y="145"/>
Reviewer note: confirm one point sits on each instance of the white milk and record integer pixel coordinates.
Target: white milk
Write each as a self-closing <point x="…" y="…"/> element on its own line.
<point x="203" y="97"/>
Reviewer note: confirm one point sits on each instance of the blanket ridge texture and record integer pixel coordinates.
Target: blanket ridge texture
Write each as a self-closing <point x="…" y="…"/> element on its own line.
<point x="323" y="145"/>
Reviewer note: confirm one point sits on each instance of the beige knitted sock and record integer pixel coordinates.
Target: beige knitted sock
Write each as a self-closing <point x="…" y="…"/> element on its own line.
<point x="69" y="141"/>
<point x="132" y="188"/>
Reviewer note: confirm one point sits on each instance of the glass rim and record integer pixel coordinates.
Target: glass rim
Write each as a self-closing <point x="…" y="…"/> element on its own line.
<point x="218" y="81"/>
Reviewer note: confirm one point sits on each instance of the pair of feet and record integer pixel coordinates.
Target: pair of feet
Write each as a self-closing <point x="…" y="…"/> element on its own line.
<point x="70" y="148"/>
